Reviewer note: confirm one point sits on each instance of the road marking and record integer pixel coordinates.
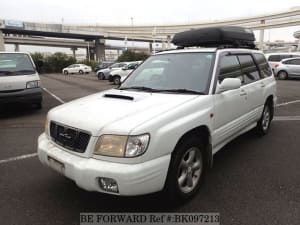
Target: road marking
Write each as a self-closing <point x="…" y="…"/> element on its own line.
<point x="18" y="158"/>
<point x="54" y="96"/>
<point x="286" y="118"/>
<point x="287" y="103"/>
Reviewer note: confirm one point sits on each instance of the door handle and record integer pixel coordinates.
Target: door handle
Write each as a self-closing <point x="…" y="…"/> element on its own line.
<point x="262" y="84"/>
<point x="243" y="93"/>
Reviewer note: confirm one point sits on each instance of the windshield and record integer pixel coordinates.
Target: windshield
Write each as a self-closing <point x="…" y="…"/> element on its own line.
<point x="179" y="72"/>
<point x="12" y="64"/>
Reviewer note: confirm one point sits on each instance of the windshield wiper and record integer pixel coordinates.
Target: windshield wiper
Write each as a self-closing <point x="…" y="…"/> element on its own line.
<point x="5" y="72"/>
<point x="24" y="71"/>
<point x="187" y="91"/>
<point x="140" y="88"/>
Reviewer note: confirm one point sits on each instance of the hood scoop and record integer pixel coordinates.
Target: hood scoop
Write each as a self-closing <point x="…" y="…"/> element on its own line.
<point x="125" y="97"/>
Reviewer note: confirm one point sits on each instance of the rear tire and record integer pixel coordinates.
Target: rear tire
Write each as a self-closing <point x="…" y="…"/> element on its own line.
<point x="80" y="71"/>
<point x="186" y="171"/>
<point x="264" y="123"/>
<point x="282" y="75"/>
<point x="66" y="72"/>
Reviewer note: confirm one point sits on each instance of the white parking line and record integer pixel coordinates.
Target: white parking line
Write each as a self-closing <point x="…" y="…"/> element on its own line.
<point x="286" y="118"/>
<point x="18" y="158"/>
<point x="54" y="96"/>
<point x="287" y="103"/>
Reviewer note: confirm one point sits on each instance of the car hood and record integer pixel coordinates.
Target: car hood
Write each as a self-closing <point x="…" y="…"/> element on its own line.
<point x="116" y="111"/>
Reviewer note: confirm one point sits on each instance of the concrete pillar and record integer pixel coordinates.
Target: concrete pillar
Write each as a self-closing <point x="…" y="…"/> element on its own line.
<point x="100" y="49"/>
<point x="168" y="41"/>
<point x="17" y="47"/>
<point x="2" y="46"/>
<point x="150" y="47"/>
<point x="90" y="53"/>
<point x="261" y="37"/>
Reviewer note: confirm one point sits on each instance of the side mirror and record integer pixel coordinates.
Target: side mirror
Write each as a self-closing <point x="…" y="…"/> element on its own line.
<point x="124" y="68"/>
<point x="229" y="84"/>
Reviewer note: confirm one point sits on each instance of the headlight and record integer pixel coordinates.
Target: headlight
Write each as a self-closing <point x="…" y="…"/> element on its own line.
<point x="33" y="84"/>
<point x="122" y="146"/>
<point x="47" y="126"/>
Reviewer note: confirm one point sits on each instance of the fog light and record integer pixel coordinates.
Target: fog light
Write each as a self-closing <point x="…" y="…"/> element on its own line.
<point x="108" y="184"/>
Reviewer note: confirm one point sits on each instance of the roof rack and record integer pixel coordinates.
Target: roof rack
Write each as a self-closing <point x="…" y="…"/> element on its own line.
<point x="218" y="37"/>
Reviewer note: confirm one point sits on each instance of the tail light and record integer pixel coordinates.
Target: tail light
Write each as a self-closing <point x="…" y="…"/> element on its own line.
<point x="276" y="65"/>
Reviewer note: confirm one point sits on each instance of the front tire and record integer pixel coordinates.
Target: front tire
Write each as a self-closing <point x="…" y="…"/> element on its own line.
<point x="38" y="105"/>
<point x="186" y="171"/>
<point x="282" y="75"/>
<point x="101" y="76"/>
<point x="66" y="72"/>
<point x="116" y="80"/>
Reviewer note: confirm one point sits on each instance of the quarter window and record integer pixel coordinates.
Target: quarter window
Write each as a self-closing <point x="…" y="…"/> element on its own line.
<point x="263" y="65"/>
<point x="249" y="68"/>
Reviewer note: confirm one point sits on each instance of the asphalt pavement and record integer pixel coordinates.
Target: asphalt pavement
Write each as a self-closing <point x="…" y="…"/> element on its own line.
<point x="254" y="180"/>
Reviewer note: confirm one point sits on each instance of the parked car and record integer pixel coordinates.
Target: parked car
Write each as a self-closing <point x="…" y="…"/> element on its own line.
<point x="19" y="79"/>
<point x="104" y="73"/>
<point x="116" y="76"/>
<point x="275" y="58"/>
<point x="77" y="68"/>
<point x="103" y="65"/>
<point x="160" y="130"/>
<point x="288" y="68"/>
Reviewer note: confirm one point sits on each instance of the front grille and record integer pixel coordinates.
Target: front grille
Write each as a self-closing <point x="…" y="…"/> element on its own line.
<point x="70" y="138"/>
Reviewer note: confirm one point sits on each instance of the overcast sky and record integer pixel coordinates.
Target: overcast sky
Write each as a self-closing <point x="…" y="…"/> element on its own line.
<point x="119" y="12"/>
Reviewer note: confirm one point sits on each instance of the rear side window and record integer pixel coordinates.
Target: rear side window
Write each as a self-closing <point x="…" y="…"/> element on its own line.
<point x="293" y="62"/>
<point x="294" y="56"/>
<point x="249" y="69"/>
<point x="274" y="58"/>
<point x="229" y="68"/>
<point x="263" y="65"/>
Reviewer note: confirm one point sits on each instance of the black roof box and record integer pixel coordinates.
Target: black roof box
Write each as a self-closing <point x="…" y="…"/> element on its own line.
<point x="231" y="36"/>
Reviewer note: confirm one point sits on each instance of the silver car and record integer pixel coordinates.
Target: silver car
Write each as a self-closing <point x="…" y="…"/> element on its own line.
<point x="104" y="73"/>
<point x="287" y="68"/>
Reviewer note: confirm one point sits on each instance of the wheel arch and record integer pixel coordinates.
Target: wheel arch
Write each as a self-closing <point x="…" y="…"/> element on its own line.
<point x="282" y="70"/>
<point x="270" y="101"/>
<point x="203" y="133"/>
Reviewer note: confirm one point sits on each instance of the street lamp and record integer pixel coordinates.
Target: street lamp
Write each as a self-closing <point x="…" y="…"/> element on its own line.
<point x="132" y="31"/>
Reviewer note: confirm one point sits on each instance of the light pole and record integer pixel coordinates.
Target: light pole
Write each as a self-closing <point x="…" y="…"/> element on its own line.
<point x="132" y="31"/>
<point x="154" y="34"/>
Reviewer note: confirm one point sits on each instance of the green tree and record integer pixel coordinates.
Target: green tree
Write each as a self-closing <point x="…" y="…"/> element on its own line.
<point x="56" y="62"/>
<point x="132" y="56"/>
<point x="37" y="56"/>
<point x="91" y="63"/>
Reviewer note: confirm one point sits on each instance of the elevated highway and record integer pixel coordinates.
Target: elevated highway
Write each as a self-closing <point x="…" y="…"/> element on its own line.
<point x="162" y="33"/>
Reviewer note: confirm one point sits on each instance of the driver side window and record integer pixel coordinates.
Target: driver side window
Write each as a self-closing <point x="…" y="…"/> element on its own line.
<point x="230" y="68"/>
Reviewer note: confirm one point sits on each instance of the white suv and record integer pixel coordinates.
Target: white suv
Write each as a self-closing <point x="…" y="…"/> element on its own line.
<point x="163" y="125"/>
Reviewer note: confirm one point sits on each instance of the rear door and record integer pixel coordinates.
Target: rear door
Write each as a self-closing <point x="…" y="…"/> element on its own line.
<point x="294" y="67"/>
<point x="230" y="106"/>
<point x="253" y="85"/>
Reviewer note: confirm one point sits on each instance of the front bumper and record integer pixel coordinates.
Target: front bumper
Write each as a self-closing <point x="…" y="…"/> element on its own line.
<point x="132" y="179"/>
<point x="33" y="95"/>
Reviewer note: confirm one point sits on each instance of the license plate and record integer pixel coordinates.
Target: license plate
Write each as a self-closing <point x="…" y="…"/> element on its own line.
<point x="56" y="165"/>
